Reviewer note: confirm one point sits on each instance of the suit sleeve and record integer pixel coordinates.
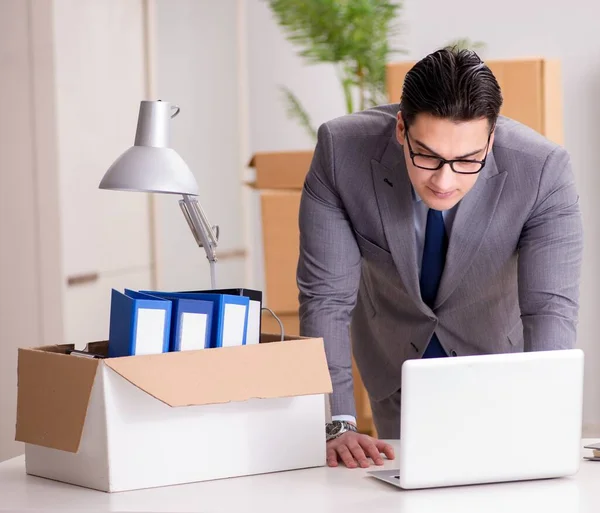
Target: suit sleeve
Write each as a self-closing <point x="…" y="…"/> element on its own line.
<point x="328" y="271"/>
<point x="550" y="256"/>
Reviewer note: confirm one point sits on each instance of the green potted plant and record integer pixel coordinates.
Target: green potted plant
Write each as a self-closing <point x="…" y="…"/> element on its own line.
<point x="354" y="36"/>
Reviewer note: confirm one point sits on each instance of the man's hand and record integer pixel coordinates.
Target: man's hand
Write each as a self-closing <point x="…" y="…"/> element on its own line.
<point x="355" y="449"/>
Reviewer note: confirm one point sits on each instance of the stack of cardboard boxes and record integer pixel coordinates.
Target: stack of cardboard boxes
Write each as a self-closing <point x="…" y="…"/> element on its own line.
<point x="279" y="179"/>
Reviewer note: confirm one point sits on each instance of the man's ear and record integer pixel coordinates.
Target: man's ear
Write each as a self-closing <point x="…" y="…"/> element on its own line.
<point x="400" y="128"/>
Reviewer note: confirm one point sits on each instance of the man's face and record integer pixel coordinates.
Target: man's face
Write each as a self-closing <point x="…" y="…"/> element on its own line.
<point x="434" y="137"/>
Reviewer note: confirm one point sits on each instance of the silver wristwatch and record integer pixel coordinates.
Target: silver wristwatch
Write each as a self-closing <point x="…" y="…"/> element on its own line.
<point x="337" y="428"/>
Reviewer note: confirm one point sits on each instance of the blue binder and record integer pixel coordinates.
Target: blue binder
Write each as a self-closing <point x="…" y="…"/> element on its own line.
<point x="230" y="315"/>
<point x="191" y="321"/>
<point x="254" y="311"/>
<point x="138" y="325"/>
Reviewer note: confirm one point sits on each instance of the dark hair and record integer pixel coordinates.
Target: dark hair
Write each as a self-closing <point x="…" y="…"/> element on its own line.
<point x="453" y="84"/>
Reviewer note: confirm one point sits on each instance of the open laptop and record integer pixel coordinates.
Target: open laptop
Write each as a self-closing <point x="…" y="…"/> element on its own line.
<point x="489" y="418"/>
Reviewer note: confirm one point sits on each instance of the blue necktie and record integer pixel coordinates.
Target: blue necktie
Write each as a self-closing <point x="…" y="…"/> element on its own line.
<point x="432" y="267"/>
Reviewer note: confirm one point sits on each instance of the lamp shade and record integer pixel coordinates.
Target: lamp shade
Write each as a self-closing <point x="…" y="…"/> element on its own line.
<point x="150" y="165"/>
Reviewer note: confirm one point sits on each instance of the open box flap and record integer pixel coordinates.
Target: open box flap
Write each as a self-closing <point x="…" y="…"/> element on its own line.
<point x="227" y="374"/>
<point x="53" y="395"/>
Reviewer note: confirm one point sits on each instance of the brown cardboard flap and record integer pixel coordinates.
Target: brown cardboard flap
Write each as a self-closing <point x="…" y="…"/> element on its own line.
<point x="281" y="169"/>
<point x="222" y="375"/>
<point x="52" y="399"/>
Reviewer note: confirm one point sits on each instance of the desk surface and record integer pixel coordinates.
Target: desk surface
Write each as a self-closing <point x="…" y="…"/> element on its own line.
<point x="312" y="490"/>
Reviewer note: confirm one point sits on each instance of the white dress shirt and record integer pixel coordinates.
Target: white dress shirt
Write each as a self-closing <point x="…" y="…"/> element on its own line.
<point x="420" y="210"/>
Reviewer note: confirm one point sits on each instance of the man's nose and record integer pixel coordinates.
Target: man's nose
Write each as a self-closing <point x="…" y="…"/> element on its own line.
<point x="443" y="178"/>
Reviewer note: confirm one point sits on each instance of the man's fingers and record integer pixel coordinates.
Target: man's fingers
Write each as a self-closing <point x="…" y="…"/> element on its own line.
<point x="346" y="456"/>
<point x="356" y="450"/>
<point x="373" y="452"/>
<point x="332" y="458"/>
<point x="386" y="449"/>
<point x="359" y="454"/>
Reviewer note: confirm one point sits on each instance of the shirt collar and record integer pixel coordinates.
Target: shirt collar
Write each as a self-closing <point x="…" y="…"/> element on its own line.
<point x="415" y="196"/>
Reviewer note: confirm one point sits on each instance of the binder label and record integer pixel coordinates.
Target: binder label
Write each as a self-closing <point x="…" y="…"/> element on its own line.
<point x="150" y="329"/>
<point x="193" y="331"/>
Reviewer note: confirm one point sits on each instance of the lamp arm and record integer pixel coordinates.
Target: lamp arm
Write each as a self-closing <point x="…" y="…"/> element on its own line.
<point x="206" y="236"/>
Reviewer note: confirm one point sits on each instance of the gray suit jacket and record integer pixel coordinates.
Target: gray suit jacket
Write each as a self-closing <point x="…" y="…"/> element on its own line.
<point x="511" y="281"/>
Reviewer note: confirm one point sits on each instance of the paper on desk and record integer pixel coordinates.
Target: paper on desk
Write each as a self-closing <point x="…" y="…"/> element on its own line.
<point x="595" y="450"/>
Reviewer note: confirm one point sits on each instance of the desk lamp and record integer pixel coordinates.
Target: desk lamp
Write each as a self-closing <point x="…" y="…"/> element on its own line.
<point x="150" y="165"/>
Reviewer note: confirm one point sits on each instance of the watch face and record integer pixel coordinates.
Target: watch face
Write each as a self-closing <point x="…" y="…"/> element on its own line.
<point x="334" y="428"/>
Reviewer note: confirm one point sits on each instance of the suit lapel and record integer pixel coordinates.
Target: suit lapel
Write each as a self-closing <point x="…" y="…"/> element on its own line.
<point x="395" y="201"/>
<point x="473" y="217"/>
<point x="475" y="212"/>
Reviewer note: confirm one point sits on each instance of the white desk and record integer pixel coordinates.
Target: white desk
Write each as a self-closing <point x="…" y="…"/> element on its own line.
<point x="312" y="490"/>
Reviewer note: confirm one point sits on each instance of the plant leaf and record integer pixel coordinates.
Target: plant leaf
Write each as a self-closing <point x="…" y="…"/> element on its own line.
<point x="352" y="34"/>
<point x="296" y="110"/>
<point x="336" y="31"/>
<point x="464" y="43"/>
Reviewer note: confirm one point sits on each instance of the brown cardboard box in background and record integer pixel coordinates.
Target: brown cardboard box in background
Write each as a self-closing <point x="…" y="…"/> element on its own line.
<point x="531" y="90"/>
<point x="279" y="179"/>
<point x="280" y="169"/>
<point x="290" y="321"/>
<point x="281" y="247"/>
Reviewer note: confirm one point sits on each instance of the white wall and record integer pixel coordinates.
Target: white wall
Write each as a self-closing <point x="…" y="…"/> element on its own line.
<point x="30" y="310"/>
<point x="272" y="62"/>
<point x="72" y="73"/>
<point x="100" y="78"/>
<point x="17" y="254"/>
<point x="196" y="57"/>
<point x="512" y="28"/>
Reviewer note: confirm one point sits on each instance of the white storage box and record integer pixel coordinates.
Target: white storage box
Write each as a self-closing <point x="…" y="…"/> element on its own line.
<point x="136" y="422"/>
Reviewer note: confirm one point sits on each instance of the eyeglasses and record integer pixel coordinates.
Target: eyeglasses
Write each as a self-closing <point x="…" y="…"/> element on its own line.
<point x="460" y="166"/>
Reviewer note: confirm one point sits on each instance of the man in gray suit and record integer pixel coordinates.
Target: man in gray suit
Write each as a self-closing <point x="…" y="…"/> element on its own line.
<point x="433" y="228"/>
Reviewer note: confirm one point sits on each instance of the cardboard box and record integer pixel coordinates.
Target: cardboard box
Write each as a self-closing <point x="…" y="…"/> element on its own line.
<point x="279" y="178"/>
<point x="291" y="324"/>
<point x="531" y="89"/>
<point x="281" y="248"/>
<point x="290" y="321"/>
<point x="281" y="169"/>
<point x="136" y="422"/>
